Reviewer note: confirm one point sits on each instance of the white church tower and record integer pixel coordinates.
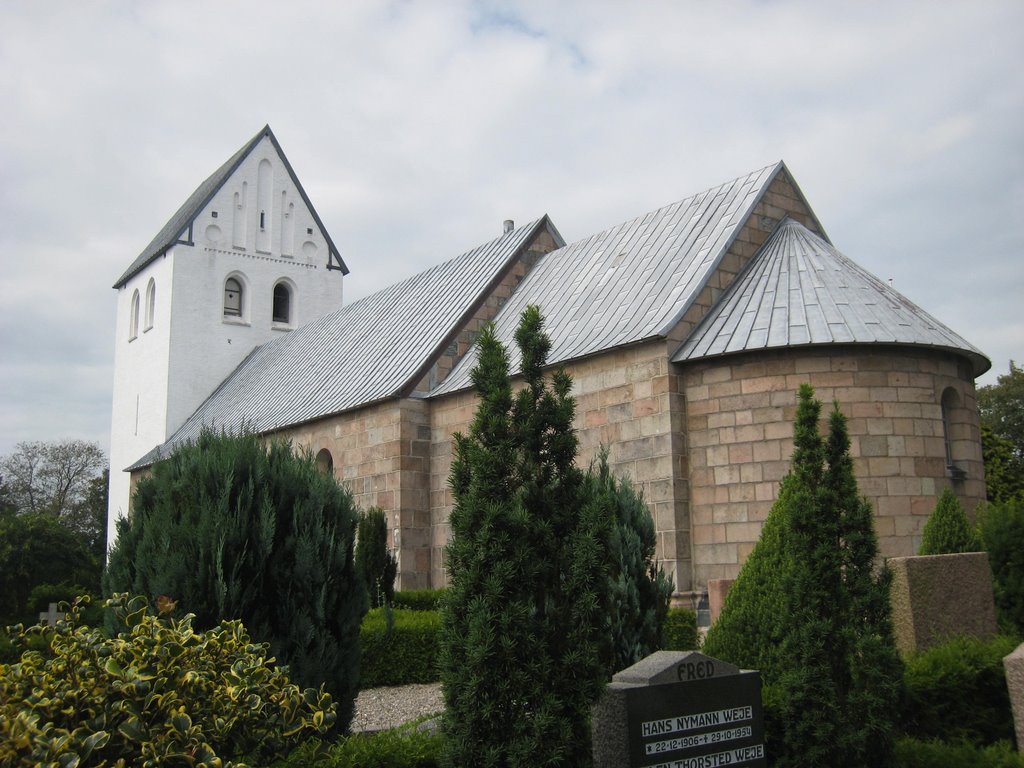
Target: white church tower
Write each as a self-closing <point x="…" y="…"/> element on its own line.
<point x="245" y="259"/>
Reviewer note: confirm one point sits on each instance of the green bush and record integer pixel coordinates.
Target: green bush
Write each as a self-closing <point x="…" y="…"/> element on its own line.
<point x="957" y="691"/>
<point x="41" y="596"/>
<point x="374" y="563"/>
<point x="1002" y="529"/>
<point x="638" y="590"/>
<point x="404" y="652"/>
<point x="913" y="753"/>
<point x="37" y="548"/>
<point x="157" y="694"/>
<point x="232" y="528"/>
<point x="947" y="531"/>
<point x="420" y="599"/>
<point x="403" y="747"/>
<point x="679" y="632"/>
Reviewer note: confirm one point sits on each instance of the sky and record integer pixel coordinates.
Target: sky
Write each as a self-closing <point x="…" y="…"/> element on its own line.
<point x="416" y="128"/>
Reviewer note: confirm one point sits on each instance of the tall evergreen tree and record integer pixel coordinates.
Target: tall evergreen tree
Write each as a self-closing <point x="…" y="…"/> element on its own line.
<point x="374" y="563"/>
<point x="233" y="529"/>
<point x="527" y="563"/>
<point x="818" y="620"/>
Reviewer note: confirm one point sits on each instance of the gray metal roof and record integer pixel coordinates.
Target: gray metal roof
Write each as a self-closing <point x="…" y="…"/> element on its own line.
<point x="368" y="351"/>
<point x="629" y="283"/>
<point x="176" y="229"/>
<point x="799" y="290"/>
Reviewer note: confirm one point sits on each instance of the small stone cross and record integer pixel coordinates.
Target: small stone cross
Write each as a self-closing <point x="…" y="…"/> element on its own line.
<point x="51" y="616"/>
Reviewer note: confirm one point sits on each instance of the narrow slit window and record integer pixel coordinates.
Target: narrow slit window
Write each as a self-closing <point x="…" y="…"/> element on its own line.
<point x="133" y="318"/>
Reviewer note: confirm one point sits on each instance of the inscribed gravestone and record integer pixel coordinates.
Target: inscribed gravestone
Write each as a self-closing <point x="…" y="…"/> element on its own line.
<point x="680" y="710"/>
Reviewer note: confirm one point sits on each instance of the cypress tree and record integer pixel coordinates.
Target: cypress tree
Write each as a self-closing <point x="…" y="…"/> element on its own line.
<point x="638" y="590"/>
<point x="523" y="616"/>
<point x="374" y="563"/>
<point x="810" y="609"/>
<point x="947" y="531"/>
<point x="233" y="529"/>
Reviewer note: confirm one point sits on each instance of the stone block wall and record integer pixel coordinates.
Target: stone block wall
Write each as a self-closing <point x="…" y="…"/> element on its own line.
<point x="740" y="412"/>
<point x="626" y="399"/>
<point x="381" y="453"/>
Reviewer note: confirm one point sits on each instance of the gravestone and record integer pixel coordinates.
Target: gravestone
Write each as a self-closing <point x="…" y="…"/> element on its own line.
<point x="680" y="709"/>
<point x="1014" y="665"/>
<point x="50" y="617"/>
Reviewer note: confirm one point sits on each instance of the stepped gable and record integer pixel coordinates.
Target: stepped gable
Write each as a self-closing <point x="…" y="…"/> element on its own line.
<point x="632" y="282"/>
<point x="178" y="229"/>
<point x="798" y="290"/>
<point x="371" y="350"/>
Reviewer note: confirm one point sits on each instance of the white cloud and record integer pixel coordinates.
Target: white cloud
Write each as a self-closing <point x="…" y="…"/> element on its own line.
<point x="417" y="128"/>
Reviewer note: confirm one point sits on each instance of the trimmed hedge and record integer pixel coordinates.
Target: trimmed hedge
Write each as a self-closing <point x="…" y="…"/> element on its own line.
<point x="911" y="753"/>
<point x="679" y="631"/>
<point x="957" y="692"/>
<point x="402" y="747"/>
<point x="404" y="653"/>
<point x="419" y="599"/>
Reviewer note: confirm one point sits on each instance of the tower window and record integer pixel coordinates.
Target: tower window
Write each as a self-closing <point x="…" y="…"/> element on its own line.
<point x="282" y="303"/>
<point x="232" y="297"/>
<point x="133" y="318"/>
<point x="150" y="304"/>
<point x="263" y="219"/>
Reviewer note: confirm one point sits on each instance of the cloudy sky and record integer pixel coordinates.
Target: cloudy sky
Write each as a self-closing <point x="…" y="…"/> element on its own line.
<point x="417" y="127"/>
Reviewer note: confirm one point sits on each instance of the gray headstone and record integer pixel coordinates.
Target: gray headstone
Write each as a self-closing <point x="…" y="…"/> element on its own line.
<point x="1014" y="664"/>
<point x="680" y="709"/>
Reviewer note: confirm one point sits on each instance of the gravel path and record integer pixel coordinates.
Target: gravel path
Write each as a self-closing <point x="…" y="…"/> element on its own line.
<point x="378" y="709"/>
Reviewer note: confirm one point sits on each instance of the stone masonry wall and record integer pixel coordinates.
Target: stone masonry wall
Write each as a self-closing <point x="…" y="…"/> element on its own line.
<point x="381" y="453"/>
<point x="740" y="412"/>
<point x="626" y="399"/>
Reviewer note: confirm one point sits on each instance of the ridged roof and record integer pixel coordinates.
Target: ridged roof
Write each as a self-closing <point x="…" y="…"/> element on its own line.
<point x="172" y="232"/>
<point x="799" y="290"/>
<point x="370" y="350"/>
<point x="631" y="282"/>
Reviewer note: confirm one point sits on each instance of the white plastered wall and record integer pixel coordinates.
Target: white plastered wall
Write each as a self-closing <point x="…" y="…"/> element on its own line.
<point x="170" y="370"/>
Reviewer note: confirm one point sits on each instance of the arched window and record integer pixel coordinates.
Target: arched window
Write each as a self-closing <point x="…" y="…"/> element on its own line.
<point x="133" y="318"/>
<point x="951" y="429"/>
<point x="325" y="462"/>
<point x="282" y="303"/>
<point x="232" y="297"/>
<point x="150" y="304"/>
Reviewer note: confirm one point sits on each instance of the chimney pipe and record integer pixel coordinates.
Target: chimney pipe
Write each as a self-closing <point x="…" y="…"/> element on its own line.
<point x="508" y="226"/>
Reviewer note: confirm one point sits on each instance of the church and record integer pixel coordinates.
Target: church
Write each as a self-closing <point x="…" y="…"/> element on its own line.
<point x="687" y="332"/>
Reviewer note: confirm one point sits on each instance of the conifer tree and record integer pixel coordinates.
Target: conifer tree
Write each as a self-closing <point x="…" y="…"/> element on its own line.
<point x="638" y="591"/>
<point x="233" y="529"/>
<point x="810" y="609"/>
<point x="527" y="564"/>
<point x="374" y="563"/>
<point x="947" y="531"/>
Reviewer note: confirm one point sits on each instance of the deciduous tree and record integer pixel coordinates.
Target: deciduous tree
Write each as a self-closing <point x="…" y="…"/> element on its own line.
<point x="51" y="477"/>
